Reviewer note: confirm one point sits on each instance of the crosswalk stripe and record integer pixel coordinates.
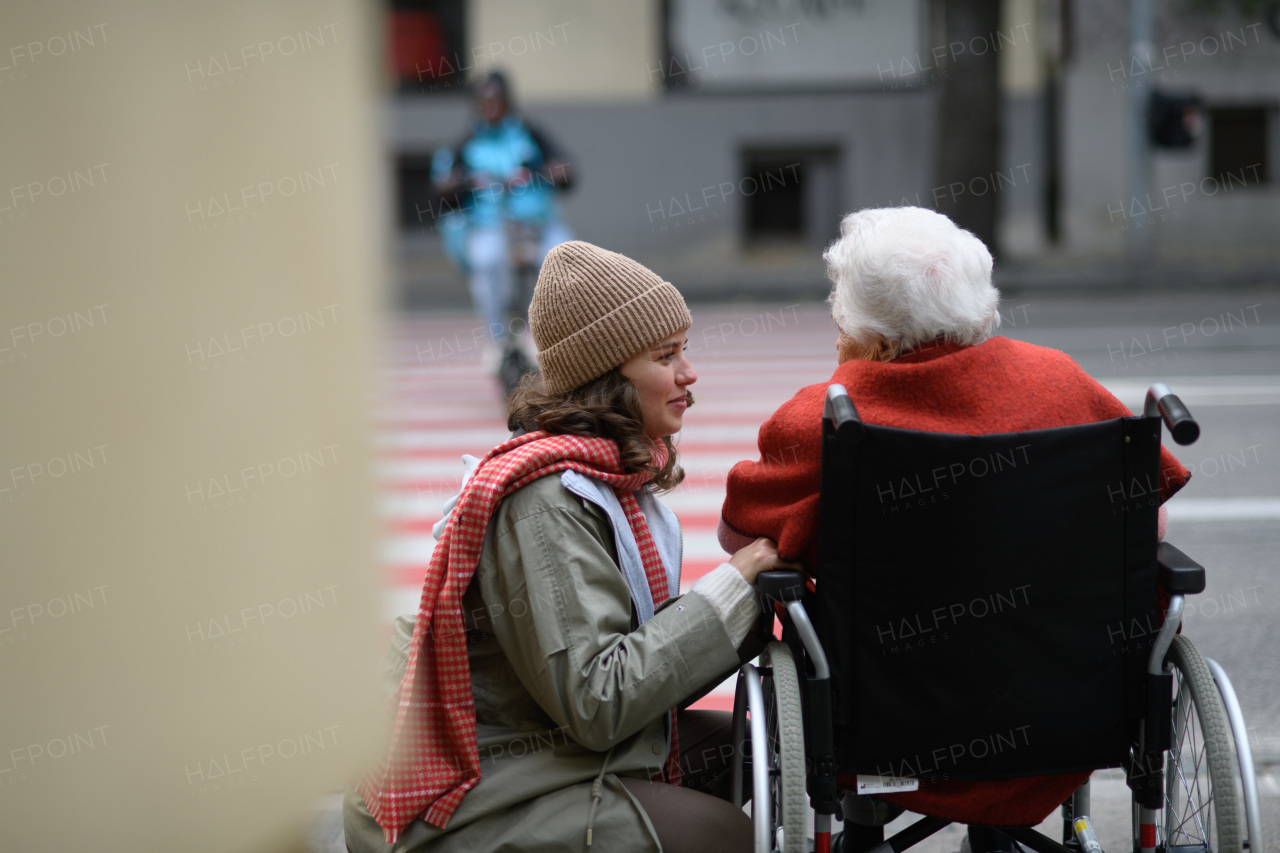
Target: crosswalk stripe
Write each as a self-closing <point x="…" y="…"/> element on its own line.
<point x="1224" y="509"/>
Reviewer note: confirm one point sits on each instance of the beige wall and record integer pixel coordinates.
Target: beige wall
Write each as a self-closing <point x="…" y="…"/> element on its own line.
<point x="1020" y="43"/>
<point x="190" y="221"/>
<point x="569" y="50"/>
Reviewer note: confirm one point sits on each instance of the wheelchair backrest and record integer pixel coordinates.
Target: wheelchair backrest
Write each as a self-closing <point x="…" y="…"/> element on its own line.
<point x="987" y="603"/>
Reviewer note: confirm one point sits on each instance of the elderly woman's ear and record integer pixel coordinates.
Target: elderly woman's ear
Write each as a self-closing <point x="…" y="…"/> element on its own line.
<point x="874" y="348"/>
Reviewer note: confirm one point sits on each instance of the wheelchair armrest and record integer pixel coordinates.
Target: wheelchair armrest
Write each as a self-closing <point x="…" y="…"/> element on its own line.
<point x="779" y="585"/>
<point x="1176" y="574"/>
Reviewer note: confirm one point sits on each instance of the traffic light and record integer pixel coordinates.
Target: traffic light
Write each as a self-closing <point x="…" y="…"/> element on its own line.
<point x="1173" y="121"/>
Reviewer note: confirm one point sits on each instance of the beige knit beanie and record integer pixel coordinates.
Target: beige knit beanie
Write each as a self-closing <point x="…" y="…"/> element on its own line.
<point x="593" y="309"/>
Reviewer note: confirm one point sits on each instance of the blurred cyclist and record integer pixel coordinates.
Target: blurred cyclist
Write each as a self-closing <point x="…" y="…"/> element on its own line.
<point x="504" y="177"/>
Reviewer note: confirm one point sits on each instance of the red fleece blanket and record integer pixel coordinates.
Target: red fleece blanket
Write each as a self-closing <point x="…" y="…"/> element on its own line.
<point x="996" y="386"/>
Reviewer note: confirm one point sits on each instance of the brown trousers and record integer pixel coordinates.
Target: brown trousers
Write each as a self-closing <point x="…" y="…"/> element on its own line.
<point x="697" y="816"/>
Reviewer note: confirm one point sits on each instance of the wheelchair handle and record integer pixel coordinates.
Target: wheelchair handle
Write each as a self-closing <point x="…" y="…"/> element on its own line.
<point x="1161" y="401"/>
<point x="840" y="411"/>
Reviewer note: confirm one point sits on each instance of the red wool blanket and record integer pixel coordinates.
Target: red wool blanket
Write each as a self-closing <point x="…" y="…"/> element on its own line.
<point x="997" y="386"/>
<point x="433" y="758"/>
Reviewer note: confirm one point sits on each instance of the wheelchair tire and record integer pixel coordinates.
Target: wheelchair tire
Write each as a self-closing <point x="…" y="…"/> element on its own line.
<point x="787" y="796"/>
<point x="1202" y="800"/>
<point x="1244" y="758"/>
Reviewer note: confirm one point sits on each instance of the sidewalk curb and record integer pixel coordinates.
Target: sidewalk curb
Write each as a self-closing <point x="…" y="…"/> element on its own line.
<point x="446" y="290"/>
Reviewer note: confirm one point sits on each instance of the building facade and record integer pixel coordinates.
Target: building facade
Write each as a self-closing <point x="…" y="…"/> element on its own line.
<point x="720" y="141"/>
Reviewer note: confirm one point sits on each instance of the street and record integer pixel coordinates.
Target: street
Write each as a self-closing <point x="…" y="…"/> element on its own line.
<point x="1220" y="351"/>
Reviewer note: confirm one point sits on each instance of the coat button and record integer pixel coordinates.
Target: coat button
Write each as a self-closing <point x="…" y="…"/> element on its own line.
<point x="657" y="748"/>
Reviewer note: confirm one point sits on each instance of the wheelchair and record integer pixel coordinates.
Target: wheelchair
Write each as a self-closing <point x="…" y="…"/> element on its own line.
<point x="990" y="608"/>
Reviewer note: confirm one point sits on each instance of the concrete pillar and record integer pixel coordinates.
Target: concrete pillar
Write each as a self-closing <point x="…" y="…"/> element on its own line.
<point x="191" y="220"/>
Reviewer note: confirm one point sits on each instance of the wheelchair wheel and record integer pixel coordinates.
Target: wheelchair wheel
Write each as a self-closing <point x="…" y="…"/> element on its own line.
<point x="1244" y="758"/>
<point x="786" y="795"/>
<point x="1202" y="802"/>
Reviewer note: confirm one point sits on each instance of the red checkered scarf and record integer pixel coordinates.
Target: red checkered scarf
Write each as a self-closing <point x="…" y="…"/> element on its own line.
<point x="433" y="758"/>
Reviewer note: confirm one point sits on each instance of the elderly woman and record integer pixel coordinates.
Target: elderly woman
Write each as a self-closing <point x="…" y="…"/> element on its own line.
<point x="916" y="309"/>
<point x="537" y="705"/>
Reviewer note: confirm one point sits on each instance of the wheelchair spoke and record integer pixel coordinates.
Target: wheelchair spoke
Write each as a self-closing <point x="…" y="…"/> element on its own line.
<point x="1194" y="818"/>
<point x="775" y="755"/>
<point x="1195" y="786"/>
<point x="1204" y="833"/>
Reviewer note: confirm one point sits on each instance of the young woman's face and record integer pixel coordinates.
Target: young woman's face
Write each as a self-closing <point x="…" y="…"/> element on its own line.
<point x="661" y="374"/>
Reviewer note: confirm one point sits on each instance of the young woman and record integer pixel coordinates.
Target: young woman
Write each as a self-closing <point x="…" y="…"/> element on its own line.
<point x="538" y="705"/>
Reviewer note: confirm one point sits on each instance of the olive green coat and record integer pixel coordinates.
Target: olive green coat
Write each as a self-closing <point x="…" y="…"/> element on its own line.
<point x="562" y="677"/>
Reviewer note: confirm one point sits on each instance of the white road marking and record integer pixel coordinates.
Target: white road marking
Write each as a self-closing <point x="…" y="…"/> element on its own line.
<point x="1224" y="509"/>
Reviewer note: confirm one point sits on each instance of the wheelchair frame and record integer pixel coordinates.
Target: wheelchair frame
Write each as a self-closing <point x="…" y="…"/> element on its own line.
<point x="792" y="750"/>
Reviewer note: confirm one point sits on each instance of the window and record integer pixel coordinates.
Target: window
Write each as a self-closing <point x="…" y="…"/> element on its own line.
<point x="416" y="205"/>
<point x="425" y="47"/>
<point x="1238" y="146"/>
<point x="789" y="195"/>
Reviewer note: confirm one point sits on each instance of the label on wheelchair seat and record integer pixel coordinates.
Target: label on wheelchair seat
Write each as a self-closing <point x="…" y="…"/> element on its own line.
<point x="886" y="784"/>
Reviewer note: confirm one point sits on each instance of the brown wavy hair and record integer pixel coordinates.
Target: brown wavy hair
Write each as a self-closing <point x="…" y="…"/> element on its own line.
<point x="606" y="407"/>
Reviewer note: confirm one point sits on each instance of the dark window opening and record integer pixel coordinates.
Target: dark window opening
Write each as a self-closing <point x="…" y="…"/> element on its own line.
<point x="774" y="190"/>
<point x="425" y="46"/>
<point x="417" y="203"/>
<point x="789" y="196"/>
<point x="1238" y="146"/>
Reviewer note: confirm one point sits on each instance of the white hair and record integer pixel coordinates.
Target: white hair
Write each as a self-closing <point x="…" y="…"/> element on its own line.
<point x="911" y="275"/>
